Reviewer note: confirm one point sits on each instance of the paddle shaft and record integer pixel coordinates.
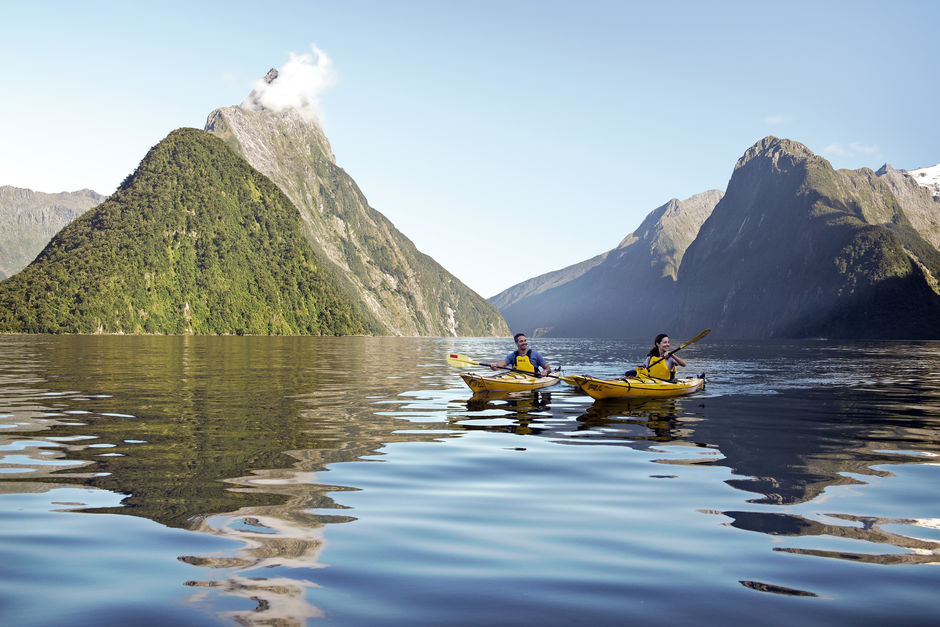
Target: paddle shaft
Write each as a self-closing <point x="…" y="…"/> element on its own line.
<point x="453" y="359"/>
<point x="531" y="374"/>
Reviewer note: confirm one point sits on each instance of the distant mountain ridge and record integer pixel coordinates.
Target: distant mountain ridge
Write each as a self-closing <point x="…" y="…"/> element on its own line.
<point x="793" y="248"/>
<point x="405" y="290"/>
<point x="621" y="289"/>
<point x="29" y="219"/>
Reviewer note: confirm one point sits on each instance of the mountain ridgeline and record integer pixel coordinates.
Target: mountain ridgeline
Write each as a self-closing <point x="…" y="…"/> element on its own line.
<point x="194" y="241"/>
<point x="622" y="289"/>
<point x="793" y="249"/>
<point x="406" y="291"/>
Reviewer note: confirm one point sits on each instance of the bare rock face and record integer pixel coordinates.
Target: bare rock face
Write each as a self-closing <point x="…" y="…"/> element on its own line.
<point x="407" y="291"/>
<point x="29" y="219"/>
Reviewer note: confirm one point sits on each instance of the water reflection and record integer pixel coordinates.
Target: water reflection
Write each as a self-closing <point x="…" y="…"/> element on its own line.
<point x="636" y="420"/>
<point x="225" y="436"/>
<point x="788" y="449"/>
<point x="867" y="530"/>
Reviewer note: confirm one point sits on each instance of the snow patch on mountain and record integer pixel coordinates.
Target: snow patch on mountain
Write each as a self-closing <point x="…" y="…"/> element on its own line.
<point x="928" y="177"/>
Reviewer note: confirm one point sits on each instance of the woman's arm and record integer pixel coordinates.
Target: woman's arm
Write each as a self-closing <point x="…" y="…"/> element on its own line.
<point x="678" y="360"/>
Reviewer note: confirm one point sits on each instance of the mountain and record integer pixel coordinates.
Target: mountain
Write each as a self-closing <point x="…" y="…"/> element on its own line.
<point x="29" y="219"/>
<point x="794" y="248"/>
<point x="194" y="241"/>
<point x="798" y="249"/>
<point x="619" y="293"/>
<point x="405" y="290"/>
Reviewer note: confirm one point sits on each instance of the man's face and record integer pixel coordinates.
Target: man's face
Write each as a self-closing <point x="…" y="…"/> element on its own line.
<point x="522" y="344"/>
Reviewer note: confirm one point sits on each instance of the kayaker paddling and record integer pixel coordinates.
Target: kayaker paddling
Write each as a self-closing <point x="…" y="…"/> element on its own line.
<point x="659" y="362"/>
<point x="656" y="378"/>
<point x="524" y="359"/>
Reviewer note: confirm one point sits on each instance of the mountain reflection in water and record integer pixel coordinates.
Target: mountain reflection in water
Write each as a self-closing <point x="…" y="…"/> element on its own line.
<point x="233" y="438"/>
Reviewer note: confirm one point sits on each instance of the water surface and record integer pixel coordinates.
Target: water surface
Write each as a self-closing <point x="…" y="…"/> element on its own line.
<point x="227" y="480"/>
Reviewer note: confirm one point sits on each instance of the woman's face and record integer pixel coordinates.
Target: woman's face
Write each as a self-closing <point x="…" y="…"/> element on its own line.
<point x="663" y="346"/>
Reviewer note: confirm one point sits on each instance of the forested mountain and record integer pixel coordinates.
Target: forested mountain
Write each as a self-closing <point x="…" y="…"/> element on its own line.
<point x="405" y="290"/>
<point x="29" y="219"/>
<point x="794" y="249"/>
<point x="194" y="241"/>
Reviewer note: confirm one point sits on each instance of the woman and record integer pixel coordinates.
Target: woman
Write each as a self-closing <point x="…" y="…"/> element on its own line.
<point x="659" y="363"/>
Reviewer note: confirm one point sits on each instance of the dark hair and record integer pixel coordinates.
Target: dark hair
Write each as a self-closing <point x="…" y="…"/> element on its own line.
<point x="654" y="352"/>
<point x="515" y="338"/>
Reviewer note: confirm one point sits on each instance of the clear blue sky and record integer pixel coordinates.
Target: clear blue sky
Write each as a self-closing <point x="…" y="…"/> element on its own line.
<point x="506" y="139"/>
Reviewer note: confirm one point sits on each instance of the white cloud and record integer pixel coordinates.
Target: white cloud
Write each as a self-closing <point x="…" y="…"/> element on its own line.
<point x="776" y="120"/>
<point x="854" y="149"/>
<point x="865" y="150"/>
<point x="837" y="150"/>
<point x="299" y="84"/>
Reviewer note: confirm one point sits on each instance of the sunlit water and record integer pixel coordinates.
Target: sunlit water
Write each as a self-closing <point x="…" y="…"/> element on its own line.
<point x="355" y="481"/>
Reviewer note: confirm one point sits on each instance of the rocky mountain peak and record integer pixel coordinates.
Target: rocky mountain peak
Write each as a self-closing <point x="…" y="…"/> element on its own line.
<point x="781" y="154"/>
<point x="885" y="169"/>
<point x="284" y="93"/>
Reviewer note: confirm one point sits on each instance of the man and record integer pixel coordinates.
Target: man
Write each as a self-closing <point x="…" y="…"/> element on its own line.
<point x="524" y="358"/>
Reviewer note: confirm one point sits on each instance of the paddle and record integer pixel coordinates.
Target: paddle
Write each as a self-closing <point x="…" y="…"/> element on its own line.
<point x="694" y="339"/>
<point x="458" y="361"/>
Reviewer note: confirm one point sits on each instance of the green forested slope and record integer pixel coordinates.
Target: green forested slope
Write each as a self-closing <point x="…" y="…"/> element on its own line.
<point x="194" y="241"/>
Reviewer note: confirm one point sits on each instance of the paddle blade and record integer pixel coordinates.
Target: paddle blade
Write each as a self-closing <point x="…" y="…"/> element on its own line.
<point x="699" y="336"/>
<point x="694" y="339"/>
<point x="459" y="361"/>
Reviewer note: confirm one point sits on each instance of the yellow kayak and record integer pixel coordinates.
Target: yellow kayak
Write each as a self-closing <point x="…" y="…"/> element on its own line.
<point x="506" y="382"/>
<point x="637" y="387"/>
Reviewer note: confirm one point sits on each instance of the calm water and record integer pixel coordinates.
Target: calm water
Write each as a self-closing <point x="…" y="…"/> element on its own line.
<point x="355" y="481"/>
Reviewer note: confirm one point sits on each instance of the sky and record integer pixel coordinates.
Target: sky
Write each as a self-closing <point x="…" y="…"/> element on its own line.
<point x="505" y="139"/>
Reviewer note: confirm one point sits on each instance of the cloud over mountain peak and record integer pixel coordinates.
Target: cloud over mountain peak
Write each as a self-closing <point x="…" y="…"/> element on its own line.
<point x="298" y="85"/>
